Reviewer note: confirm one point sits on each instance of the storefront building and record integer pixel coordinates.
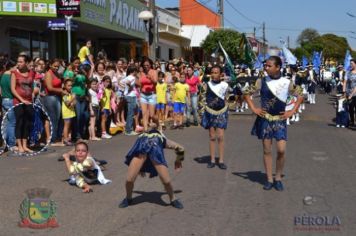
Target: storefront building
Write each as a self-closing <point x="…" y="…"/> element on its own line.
<point x="112" y="25"/>
<point x="171" y="44"/>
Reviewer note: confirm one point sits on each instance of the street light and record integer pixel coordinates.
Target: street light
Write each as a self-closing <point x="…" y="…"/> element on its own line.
<point x="147" y="17"/>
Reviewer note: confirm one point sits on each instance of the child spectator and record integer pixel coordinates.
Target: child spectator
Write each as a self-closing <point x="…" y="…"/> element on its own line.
<point x="161" y="90"/>
<point x="105" y="106"/>
<point x="94" y="108"/>
<point x="342" y="112"/>
<point x="68" y="110"/>
<point x="180" y="94"/>
<point x="130" y="98"/>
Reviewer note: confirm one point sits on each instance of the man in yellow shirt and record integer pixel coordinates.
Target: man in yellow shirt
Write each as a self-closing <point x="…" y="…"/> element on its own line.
<point x="85" y="55"/>
<point x="180" y="95"/>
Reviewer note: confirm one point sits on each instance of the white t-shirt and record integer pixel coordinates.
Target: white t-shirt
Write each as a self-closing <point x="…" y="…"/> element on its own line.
<point x="129" y="80"/>
<point x="94" y="98"/>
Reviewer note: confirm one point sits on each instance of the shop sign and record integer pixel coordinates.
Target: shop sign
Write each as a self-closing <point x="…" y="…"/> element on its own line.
<point x="45" y="8"/>
<point x="116" y="15"/>
<point x="68" y="8"/>
<point x="60" y="24"/>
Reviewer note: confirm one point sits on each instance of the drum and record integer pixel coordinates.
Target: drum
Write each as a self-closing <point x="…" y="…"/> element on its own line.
<point x="327" y="76"/>
<point x="291" y="101"/>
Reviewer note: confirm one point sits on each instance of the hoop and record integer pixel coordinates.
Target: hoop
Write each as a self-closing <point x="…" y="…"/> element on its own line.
<point x="3" y="130"/>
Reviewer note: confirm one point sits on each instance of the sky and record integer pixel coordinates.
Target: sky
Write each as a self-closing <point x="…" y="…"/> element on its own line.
<point x="285" y="18"/>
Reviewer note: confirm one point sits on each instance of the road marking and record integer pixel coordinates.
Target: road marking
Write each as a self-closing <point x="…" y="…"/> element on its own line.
<point x="319" y="156"/>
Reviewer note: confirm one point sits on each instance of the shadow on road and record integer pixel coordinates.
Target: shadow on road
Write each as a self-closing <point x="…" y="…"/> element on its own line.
<point x="253" y="176"/>
<point x="202" y="160"/>
<point x="151" y="197"/>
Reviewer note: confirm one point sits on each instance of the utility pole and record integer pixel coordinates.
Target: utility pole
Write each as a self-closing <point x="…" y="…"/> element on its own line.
<point x="69" y="39"/>
<point x="264" y="38"/>
<point x="153" y="28"/>
<point x="288" y="41"/>
<point x="254" y="32"/>
<point x="221" y="12"/>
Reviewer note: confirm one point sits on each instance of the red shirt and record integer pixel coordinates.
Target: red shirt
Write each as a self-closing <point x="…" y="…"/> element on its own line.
<point x="24" y="86"/>
<point x="193" y="83"/>
<point x="56" y="83"/>
<point x="147" y="86"/>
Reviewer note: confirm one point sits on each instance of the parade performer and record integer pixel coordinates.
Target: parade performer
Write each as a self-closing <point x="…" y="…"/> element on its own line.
<point x="291" y="101"/>
<point x="311" y="85"/>
<point x="83" y="170"/>
<point x="215" y="116"/>
<point x="147" y="156"/>
<point x="301" y="80"/>
<point x="271" y="121"/>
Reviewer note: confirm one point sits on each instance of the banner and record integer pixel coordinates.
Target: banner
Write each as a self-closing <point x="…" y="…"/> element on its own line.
<point x="229" y="64"/>
<point x="247" y="55"/>
<point x="45" y="8"/>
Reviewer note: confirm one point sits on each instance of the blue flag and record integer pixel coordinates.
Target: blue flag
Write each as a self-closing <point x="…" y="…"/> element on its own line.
<point x="289" y="57"/>
<point x="304" y="62"/>
<point x="316" y="61"/>
<point x="347" y="63"/>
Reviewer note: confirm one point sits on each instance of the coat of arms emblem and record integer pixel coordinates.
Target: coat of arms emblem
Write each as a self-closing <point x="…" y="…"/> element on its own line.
<point x="37" y="210"/>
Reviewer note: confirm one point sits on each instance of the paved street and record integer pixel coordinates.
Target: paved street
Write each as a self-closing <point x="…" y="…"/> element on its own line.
<point x="321" y="162"/>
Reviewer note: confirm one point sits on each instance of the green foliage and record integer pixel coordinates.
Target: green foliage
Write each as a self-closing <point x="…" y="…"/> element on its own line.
<point x="307" y="35"/>
<point x="229" y="39"/>
<point x="331" y="45"/>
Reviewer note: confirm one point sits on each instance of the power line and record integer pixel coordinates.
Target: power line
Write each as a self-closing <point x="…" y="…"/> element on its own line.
<point x="299" y="30"/>
<point x="232" y="24"/>
<point x="243" y="15"/>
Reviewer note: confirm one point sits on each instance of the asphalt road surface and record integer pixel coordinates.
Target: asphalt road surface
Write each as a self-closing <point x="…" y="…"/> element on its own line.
<point x="320" y="164"/>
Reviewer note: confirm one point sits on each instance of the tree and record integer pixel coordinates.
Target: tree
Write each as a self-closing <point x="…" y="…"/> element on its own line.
<point x="307" y="35"/>
<point x="229" y="39"/>
<point x="332" y="46"/>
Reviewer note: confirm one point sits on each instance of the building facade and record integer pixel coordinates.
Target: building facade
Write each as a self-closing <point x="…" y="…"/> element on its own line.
<point x="171" y="44"/>
<point x="112" y="25"/>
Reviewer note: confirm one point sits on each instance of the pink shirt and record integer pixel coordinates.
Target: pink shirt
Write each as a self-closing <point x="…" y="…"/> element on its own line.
<point x="193" y="84"/>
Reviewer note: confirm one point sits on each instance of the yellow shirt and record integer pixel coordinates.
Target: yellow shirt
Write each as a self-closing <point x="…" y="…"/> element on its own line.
<point x="161" y="90"/>
<point x="180" y="92"/>
<point x="67" y="112"/>
<point x="84" y="52"/>
<point x="105" y="101"/>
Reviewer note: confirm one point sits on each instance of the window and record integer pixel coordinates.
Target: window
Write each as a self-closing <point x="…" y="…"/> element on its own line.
<point x="33" y="44"/>
<point x="171" y="54"/>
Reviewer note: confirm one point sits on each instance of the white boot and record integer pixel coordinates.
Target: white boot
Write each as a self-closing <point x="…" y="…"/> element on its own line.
<point x="309" y="97"/>
<point x="300" y="109"/>
<point x="288" y="122"/>
<point x="246" y="105"/>
<point x="297" y="117"/>
<point x="303" y="106"/>
<point x="293" y="118"/>
<point x="314" y="95"/>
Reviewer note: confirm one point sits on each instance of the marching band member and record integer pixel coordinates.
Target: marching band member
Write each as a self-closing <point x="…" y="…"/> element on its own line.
<point x="271" y="120"/>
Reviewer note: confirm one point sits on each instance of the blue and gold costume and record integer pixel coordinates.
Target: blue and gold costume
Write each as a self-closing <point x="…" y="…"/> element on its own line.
<point x="274" y="94"/>
<point x="150" y="144"/>
<point x="216" y="109"/>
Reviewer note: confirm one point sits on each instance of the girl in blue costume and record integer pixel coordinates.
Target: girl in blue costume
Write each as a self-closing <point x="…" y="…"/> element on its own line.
<point x="147" y="156"/>
<point x="271" y="121"/>
<point x="215" y="115"/>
